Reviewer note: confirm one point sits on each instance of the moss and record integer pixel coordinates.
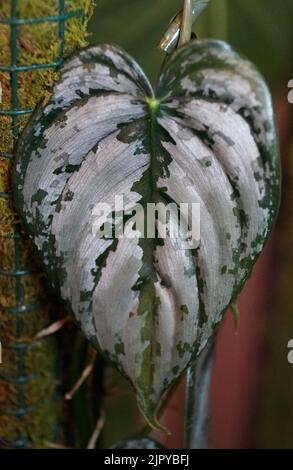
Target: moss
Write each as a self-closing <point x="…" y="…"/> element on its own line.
<point x="39" y="43"/>
<point x="40" y="418"/>
<point x="5" y="169"/>
<point x="7" y="291"/>
<point x="7" y="254"/>
<point x="8" y="217"/>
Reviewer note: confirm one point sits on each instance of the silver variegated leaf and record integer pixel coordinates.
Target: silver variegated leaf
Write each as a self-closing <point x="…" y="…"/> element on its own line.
<point x="206" y="135"/>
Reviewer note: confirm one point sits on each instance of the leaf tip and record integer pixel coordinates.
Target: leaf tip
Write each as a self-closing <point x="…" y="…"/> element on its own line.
<point x="150" y="410"/>
<point x="236" y="315"/>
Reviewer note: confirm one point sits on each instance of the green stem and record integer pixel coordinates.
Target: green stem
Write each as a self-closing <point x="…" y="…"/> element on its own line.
<point x="198" y="384"/>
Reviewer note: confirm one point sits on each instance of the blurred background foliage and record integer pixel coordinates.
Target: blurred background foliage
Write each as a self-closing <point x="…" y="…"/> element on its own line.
<point x="260" y="29"/>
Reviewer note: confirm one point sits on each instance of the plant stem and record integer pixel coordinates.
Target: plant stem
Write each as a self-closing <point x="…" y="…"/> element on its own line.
<point x="187" y="21"/>
<point x="198" y="398"/>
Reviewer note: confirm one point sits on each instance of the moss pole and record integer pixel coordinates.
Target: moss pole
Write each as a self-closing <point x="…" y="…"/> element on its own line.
<point x="28" y="410"/>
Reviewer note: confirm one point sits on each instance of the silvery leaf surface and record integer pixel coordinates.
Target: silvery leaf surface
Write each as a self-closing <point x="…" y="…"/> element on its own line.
<point x="205" y="136"/>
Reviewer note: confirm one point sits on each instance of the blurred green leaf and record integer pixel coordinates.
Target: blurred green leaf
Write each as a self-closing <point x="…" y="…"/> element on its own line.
<point x="262" y="30"/>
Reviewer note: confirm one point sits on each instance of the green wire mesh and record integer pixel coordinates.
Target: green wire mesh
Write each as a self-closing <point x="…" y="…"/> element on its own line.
<point x="15" y="113"/>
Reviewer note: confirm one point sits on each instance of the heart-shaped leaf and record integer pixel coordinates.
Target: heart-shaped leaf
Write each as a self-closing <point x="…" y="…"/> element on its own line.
<point x="206" y="135"/>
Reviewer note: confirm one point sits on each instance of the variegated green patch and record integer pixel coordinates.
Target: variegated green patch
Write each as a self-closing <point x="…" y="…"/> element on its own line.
<point x="206" y="135"/>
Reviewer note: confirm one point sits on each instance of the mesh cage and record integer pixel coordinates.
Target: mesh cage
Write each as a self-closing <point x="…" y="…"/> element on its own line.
<point x="27" y="383"/>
